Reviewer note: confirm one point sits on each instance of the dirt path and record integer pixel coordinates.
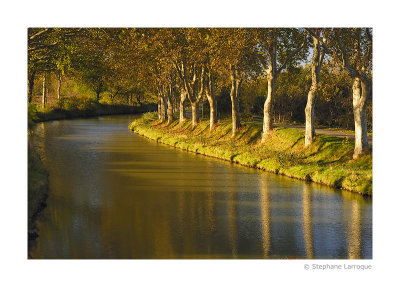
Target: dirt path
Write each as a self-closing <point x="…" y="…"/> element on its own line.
<point x="340" y="134"/>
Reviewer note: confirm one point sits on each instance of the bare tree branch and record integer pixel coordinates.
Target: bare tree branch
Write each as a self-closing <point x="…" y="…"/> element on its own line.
<point x="345" y="59"/>
<point x="38" y="33"/>
<point x="261" y="61"/>
<point x="319" y="39"/>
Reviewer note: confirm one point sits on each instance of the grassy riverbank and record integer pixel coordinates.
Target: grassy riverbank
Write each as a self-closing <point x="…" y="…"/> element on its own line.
<point x="327" y="161"/>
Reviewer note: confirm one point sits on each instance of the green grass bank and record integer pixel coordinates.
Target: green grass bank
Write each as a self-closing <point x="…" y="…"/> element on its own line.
<point x="327" y="161"/>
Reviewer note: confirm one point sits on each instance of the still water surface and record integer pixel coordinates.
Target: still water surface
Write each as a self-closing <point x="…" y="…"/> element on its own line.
<point x="114" y="194"/>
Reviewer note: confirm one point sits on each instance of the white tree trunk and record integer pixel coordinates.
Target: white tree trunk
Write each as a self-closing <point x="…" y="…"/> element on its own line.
<point x="213" y="113"/>
<point x="268" y="120"/>
<point x="310" y="116"/>
<point x="182" y="117"/>
<point x="170" y="105"/>
<point x="159" y="108"/>
<point x="272" y="75"/>
<point x="59" y="87"/>
<point x="44" y="92"/>
<point x="361" y="92"/>
<point x="316" y="64"/>
<point x="170" y="110"/>
<point x="234" y="94"/>
<point x="210" y="94"/>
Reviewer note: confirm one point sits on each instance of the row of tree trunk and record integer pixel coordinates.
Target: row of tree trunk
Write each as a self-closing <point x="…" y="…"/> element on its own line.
<point x="361" y="92"/>
<point x="361" y="88"/>
<point x="45" y="87"/>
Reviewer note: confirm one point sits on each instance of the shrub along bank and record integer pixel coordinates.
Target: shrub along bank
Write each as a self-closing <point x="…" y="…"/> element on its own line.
<point x="69" y="109"/>
<point x="327" y="161"/>
<point x="38" y="188"/>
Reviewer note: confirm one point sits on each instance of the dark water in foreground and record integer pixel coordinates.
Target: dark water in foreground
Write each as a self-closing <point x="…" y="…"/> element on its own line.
<point x="117" y="195"/>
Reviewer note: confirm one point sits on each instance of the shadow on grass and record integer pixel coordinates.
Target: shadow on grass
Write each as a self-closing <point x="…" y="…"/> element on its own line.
<point x="242" y="133"/>
<point x="202" y="131"/>
<point x="232" y="158"/>
<point x="255" y="137"/>
<point x="224" y="134"/>
<point x="295" y="143"/>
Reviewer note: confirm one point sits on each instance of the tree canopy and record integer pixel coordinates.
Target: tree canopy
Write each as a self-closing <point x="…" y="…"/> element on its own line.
<point x="266" y="71"/>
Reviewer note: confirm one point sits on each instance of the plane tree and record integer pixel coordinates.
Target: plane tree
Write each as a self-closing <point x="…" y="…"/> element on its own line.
<point x="186" y="53"/>
<point x="233" y="62"/>
<point x="319" y="51"/>
<point x="276" y="49"/>
<point x="353" y="49"/>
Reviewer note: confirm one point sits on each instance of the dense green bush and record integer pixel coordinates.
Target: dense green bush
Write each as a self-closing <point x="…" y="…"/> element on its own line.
<point x="32" y="115"/>
<point x="77" y="103"/>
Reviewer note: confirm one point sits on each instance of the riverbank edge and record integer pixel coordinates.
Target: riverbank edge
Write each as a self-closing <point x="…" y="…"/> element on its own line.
<point x="101" y="110"/>
<point x="38" y="191"/>
<point x="154" y="130"/>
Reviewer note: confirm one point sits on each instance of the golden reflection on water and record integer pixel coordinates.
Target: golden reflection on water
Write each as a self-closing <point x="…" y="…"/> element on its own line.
<point x="307" y="221"/>
<point x="233" y="218"/>
<point x="265" y="216"/>
<point x="117" y="195"/>
<point x="354" y="233"/>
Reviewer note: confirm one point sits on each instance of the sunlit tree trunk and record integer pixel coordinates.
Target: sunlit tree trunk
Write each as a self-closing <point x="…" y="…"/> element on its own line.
<point x="210" y="93"/>
<point x="213" y="113"/>
<point x="170" y="104"/>
<point x="361" y="92"/>
<point x="189" y="77"/>
<point x="159" y="108"/>
<point x="195" y="115"/>
<point x="194" y="96"/>
<point x="194" y="102"/>
<point x="268" y="120"/>
<point x="59" y="87"/>
<point x="272" y="71"/>
<point x="190" y="85"/>
<point x="316" y="64"/>
<point x="310" y="116"/>
<point x="234" y="94"/>
<point x="163" y="104"/>
<point x="182" y="117"/>
<point x="357" y="58"/>
<point x="44" y="91"/>
<point x="272" y="74"/>
<point x="170" y="110"/>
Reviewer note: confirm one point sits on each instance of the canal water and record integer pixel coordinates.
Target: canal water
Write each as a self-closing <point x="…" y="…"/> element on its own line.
<point x="114" y="194"/>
